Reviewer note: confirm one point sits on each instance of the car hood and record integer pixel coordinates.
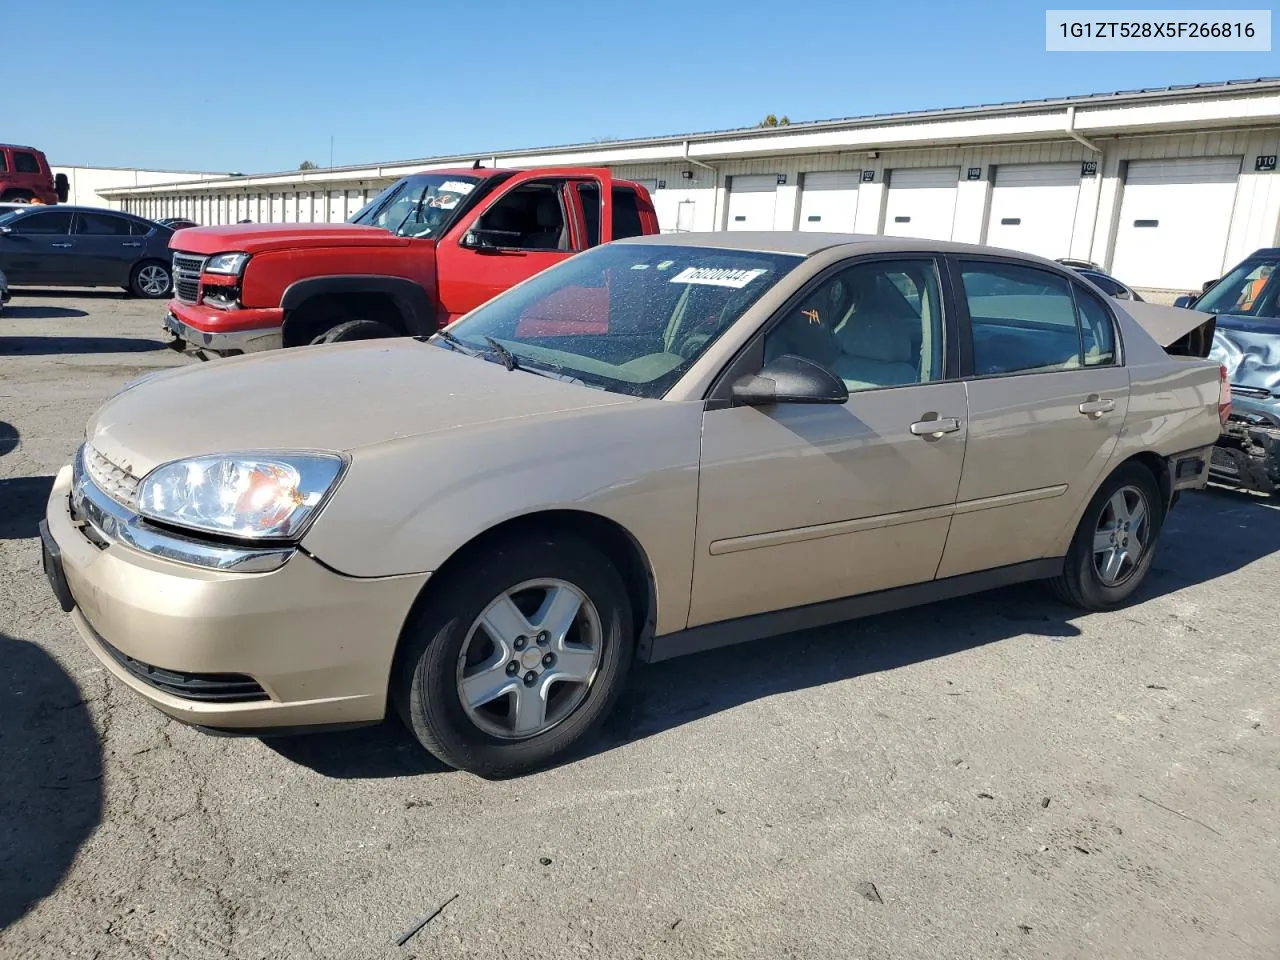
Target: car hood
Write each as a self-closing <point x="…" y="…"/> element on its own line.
<point x="335" y="397"/>
<point x="1250" y="350"/>
<point x="257" y="238"/>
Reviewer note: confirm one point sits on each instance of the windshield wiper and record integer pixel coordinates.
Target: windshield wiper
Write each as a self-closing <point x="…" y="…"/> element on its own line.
<point x="454" y="342"/>
<point x="506" y="356"/>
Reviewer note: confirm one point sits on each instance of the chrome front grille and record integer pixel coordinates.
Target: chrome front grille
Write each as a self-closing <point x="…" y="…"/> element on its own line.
<point x="113" y="480"/>
<point x="186" y="276"/>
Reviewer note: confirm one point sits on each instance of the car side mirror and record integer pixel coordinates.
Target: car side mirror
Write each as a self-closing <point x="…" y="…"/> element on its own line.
<point x="1186" y="300"/>
<point x="789" y="379"/>
<point x="475" y="239"/>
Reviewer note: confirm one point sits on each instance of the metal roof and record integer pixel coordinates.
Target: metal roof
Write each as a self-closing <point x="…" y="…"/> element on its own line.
<point x="1152" y="94"/>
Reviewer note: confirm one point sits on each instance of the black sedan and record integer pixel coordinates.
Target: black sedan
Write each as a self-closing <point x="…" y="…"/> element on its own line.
<point x="85" y="247"/>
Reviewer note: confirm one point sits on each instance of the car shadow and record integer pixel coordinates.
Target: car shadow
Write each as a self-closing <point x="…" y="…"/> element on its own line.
<point x="8" y="438"/>
<point x="84" y="293"/>
<point x="22" y="507"/>
<point x="45" y="346"/>
<point x="1209" y="535"/>
<point x="384" y="751"/>
<point x="21" y="312"/>
<point x="50" y="776"/>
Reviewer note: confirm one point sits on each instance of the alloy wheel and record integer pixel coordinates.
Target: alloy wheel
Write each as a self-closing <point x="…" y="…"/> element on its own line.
<point x="153" y="280"/>
<point x="1122" y="536"/>
<point x="529" y="659"/>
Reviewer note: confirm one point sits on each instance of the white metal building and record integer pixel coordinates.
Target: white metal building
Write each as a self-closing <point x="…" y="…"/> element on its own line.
<point x="88" y="183"/>
<point x="1165" y="187"/>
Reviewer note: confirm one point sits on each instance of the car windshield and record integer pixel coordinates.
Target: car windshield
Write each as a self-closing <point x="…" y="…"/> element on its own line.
<point x="629" y="318"/>
<point x="1250" y="290"/>
<point x="418" y="206"/>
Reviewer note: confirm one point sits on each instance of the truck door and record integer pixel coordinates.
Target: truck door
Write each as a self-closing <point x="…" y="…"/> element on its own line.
<point x="533" y="222"/>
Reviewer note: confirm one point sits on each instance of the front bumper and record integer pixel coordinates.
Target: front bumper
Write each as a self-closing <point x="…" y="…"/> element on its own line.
<point x="1247" y="456"/>
<point x="299" y="646"/>
<point x="216" y="335"/>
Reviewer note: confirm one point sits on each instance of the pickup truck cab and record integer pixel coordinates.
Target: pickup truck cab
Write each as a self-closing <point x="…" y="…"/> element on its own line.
<point x="428" y="249"/>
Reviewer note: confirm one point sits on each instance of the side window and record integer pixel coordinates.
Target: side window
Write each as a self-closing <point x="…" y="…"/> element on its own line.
<point x="530" y="217"/>
<point x="1097" y="330"/>
<point x="43" y="224"/>
<point x="589" y="195"/>
<point x="1104" y="283"/>
<point x="4" y="161"/>
<point x="874" y="325"/>
<point x="101" y="225"/>
<point x="139" y="228"/>
<point x="1023" y="319"/>
<point x="626" y="214"/>
<point x="24" y="162"/>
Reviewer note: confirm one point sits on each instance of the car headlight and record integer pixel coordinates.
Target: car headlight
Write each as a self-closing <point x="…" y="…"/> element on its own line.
<point x="228" y="263"/>
<point x="252" y="496"/>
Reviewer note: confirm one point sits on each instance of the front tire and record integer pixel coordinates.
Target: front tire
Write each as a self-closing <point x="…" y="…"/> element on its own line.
<point x="151" y="280"/>
<point x="355" y="330"/>
<point x="514" y="662"/>
<point x="1115" y="543"/>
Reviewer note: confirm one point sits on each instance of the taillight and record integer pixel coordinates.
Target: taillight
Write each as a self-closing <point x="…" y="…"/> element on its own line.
<point x="1224" y="395"/>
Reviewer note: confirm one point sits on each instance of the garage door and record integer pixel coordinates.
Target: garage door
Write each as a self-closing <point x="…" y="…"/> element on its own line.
<point x="1033" y="207"/>
<point x="1174" y="218"/>
<point x="751" y="202"/>
<point x="921" y="203"/>
<point x="828" y="201"/>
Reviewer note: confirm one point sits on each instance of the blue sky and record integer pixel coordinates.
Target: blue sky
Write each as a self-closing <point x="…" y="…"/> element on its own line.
<point x="262" y="86"/>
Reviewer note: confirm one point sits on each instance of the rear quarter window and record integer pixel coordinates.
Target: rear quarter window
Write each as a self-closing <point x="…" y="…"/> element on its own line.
<point x="24" y="162"/>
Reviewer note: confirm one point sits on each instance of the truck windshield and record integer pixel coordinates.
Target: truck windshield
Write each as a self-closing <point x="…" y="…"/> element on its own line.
<point x="418" y="206"/>
<point x="1250" y="290"/>
<point x="630" y="318"/>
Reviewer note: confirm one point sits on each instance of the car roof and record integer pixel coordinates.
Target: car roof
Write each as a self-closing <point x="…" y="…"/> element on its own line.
<point x="807" y="244"/>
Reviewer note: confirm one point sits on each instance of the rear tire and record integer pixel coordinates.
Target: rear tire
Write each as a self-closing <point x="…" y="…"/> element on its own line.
<point x="17" y="196"/>
<point x="355" y="330"/>
<point x="1108" y="561"/>
<point x="151" y="280"/>
<point x="445" y="645"/>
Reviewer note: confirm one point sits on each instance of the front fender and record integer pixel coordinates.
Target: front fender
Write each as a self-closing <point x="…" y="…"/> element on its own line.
<point x="408" y="505"/>
<point x="414" y="303"/>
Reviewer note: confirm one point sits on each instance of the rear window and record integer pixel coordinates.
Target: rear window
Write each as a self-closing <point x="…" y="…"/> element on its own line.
<point x="626" y="212"/>
<point x="24" y="162"/>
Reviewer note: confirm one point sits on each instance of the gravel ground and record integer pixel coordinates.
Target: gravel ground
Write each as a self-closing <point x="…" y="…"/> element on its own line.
<point x="993" y="777"/>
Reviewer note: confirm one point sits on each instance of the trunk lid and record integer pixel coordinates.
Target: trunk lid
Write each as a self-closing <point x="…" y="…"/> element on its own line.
<point x="1182" y="332"/>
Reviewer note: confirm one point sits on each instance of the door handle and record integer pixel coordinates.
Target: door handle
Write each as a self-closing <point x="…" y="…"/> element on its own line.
<point x="935" y="426"/>
<point x="60" y="245"/>
<point x="1095" y="406"/>
<point x="130" y="244"/>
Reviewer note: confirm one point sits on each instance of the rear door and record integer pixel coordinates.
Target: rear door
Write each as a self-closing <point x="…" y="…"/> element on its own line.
<point x="529" y="224"/>
<point x="1047" y="397"/>
<point x="38" y="248"/>
<point x="105" y="249"/>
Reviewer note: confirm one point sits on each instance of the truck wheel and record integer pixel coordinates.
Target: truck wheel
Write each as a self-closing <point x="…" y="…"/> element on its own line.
<point x="150" y="280"/>
<point x="17" y="196"/>
<point x="510" y="666"/>
<point x="355" y="330"/>
<point x="1115" y="542"/>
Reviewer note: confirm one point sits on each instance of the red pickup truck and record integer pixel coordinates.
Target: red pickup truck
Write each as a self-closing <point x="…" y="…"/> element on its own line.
<point x="25" y="177"/>
<point x="426" y="250"/>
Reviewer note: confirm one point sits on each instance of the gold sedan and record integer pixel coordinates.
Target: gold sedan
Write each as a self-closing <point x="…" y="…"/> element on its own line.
<point x="663" y="445"/>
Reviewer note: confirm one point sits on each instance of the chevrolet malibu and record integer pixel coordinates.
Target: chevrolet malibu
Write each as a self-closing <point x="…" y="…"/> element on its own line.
<point x="664" y="445"/>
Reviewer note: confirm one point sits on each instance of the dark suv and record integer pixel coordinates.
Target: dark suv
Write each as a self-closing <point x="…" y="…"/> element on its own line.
<point x="25" y="177"/>
<point x="85" y="247"/>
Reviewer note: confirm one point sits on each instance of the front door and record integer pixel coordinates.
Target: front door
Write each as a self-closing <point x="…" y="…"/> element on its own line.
<point x="799" y="504"/>
<point x="38" y="248"/>
<point x="1047" y="399"/>
<point x="104" y="250"/>
<point x="530" y="224"/>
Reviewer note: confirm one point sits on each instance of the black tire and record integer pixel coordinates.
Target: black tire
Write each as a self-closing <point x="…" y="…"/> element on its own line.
<point x="17" y="196"/>
<point x="350" y="330"/>
<point x="151" y="280"/>
<point x="425" y="679"/>
<point x="1080" y="582"/>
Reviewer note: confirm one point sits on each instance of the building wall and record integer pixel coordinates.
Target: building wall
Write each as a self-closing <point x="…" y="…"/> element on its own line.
<point x="86" y="182"/>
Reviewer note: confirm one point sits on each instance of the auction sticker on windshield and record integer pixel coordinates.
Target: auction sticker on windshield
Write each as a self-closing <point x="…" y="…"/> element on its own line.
<point x="456" y="186"/>
<point x="717" y="276"/>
